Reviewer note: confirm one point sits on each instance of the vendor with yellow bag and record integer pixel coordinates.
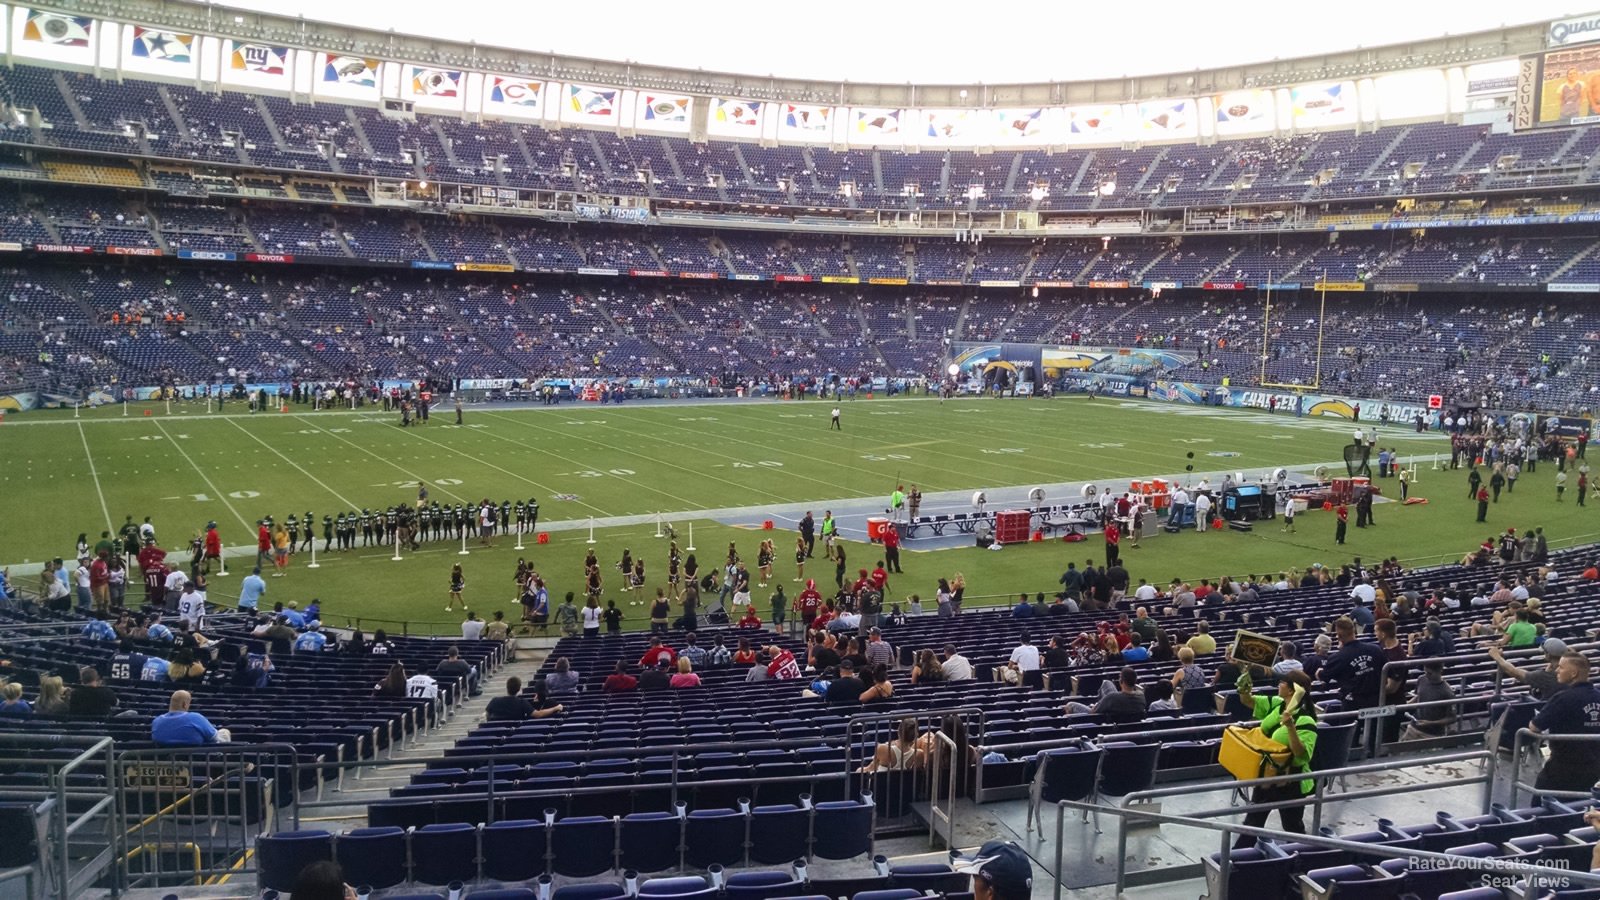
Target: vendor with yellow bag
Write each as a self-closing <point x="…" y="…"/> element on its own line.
<point x="1275" y="713"/>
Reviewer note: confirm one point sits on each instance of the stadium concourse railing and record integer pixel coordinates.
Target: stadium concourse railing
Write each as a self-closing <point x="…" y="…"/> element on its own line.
<point x="1525" y="752"/>
<point x="1131" y="813"/>
<point x="191" y="815"/>
<point x="63" y="823"/>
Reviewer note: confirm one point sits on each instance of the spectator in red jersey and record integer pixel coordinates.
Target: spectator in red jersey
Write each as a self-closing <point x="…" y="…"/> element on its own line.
<point x="263" y="544"/>
<point x="750" y="619"/>
<point x="100" y="583"/>
<point x="619" y="681"/>
<point x="657" y="654"/>
<point x="808" y="602"/>
<point x="781" y="664"/>
<point x="155" y="584"/>
<point x="880" y="578"/>
<point x="213" y="545"/>
<point x="891" y="549"/>
<point x="1113" y="543"/>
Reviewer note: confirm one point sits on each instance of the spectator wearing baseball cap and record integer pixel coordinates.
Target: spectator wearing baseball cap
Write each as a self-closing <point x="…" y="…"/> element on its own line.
<point x="999" y="870"/>
<point x="1541" y="682"/>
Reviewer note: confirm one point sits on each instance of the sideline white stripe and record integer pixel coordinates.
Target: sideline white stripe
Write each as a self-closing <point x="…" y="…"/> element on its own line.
<point x="105" y="510"/>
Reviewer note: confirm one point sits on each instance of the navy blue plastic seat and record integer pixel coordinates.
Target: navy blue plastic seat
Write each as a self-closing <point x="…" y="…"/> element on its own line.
<point x="684" y="887"/>
<point x="714" y="836"/>
<point x="514" y="850"/>
<point x="1069" y="773"/>
<point x="761" y="885"/>
<point x="651" y="841"/>
<point x="842" y="829"/>
<point x="582" y="846"/>
<point x="1128" y="767"/>
<point x="503" y="894"/>
<point x="778" y="834"/>
<point x="890" y="894"/>
<point x="590" y="891"/>
<point x="936" y="877"/>
<point x="441" y="854"/>
<point x="372" y="856"/>
<point x="281" y="856"/>
<point x="1254" y="872"/>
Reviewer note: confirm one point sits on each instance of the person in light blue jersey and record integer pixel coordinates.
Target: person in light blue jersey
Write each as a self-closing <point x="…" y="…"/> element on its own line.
<point x="251" y="589"/>
<point x="180" y="727"/>
<point x="313" y="641"/>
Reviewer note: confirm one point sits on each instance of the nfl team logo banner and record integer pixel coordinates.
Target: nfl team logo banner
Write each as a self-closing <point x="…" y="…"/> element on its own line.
<point x="54" y="28"/>
<point x="877" y="122"/>
<point x="257" y="58"/>
<point x="426" y="82"/>
<point x="742" y="113"/>
<point x="517" y="92"/>
<point x="352" y="70"/>
<point x="812" y="119"/>
<point x="665" y="110"/>
<point x="597" y="103"/>
<point x="162" y="46"/>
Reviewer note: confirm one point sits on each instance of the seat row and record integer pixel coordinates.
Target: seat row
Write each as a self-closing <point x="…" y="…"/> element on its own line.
<point x="523" y="850"/>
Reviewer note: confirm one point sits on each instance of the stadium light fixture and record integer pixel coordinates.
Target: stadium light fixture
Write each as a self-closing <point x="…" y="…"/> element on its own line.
<point x="422" y="185"/>
<point x="1107" y="188"/>
<point x="954" y="370"/>
<point x="1037" y="193"/>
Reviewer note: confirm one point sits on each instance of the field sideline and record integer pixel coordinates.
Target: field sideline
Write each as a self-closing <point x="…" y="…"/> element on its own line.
<point x="66" y="476"/>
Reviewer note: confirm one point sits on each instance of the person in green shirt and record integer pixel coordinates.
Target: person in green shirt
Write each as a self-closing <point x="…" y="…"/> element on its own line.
<point x="1520" y="633"/>
<point x="1289" y="705"/>
<point x="830" y="532"/>
<point x="897" y="502"/>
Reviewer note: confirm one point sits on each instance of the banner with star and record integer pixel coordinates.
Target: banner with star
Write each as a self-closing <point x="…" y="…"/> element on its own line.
<point x="158" y="46"/>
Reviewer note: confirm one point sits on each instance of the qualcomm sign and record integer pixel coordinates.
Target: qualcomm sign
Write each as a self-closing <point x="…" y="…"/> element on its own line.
<point x="1575" y="31"/>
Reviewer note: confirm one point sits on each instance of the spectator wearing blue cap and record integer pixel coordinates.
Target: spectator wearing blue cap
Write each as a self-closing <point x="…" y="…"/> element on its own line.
<point x="999" y="870"/>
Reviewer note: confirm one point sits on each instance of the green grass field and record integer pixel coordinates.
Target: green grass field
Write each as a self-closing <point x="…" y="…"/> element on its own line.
<point x="64" y="476"/>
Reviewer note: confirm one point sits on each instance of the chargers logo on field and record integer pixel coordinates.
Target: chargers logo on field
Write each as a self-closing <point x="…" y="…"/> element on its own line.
<point x="1336" y="408"/>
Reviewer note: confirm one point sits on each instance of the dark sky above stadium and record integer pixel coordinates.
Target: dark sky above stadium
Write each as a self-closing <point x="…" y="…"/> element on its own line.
<point x="939" y="41"/>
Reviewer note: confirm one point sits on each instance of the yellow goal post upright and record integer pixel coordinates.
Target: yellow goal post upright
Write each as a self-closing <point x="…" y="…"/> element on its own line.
<point x="1266" y="339"/>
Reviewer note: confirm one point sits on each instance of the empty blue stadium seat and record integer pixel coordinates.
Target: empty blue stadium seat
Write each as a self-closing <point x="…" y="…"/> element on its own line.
<point x="842" y="829"/>
<point x="281" y="856"/>
<point x="514" y="850"/>
<point x="441" y="854"/>
<point x="372" y="856"/>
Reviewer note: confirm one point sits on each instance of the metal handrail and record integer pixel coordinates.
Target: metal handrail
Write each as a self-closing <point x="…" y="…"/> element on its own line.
<point x="1524" y="736"/>
<point x="1224" y="859"/>
<point x="1320" y="780"/>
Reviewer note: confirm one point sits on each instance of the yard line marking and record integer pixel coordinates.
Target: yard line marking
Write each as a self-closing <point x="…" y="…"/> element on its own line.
<point x="403" y="469"/>
<point x="696" y="450"/>
<point x="249" y="529"/>
<point x="342" y="498"/>
<point x="628" y="479"/>
<point x="520" y="477"/>
<point x="95" y="475"/>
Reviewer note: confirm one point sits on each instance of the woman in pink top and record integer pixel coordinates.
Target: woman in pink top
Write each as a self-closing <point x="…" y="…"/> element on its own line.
<point x="686" y="676"/>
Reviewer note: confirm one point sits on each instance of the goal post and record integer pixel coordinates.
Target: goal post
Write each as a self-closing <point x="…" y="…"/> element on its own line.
<point x="1266" y="339"/>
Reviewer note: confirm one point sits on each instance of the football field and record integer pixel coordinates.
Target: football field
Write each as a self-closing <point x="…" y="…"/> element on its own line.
<point x="722" y="467"/>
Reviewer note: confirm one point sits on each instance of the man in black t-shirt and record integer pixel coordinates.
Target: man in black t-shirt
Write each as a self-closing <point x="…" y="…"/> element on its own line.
<point x="515" y="707"/>
<point x="846" y="690"/>
<point x="1126" y="704"/>
<point x="1573" y="765"/>
<point x="90" y="698"/>
<point x="655" y="678"/>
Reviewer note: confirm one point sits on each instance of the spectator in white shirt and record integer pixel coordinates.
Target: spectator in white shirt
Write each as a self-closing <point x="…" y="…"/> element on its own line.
<point x="956" y="667"/>
<point x="472" y="628"/>
<point x="1024" y="659"/>
<point x="1365" y="592"/>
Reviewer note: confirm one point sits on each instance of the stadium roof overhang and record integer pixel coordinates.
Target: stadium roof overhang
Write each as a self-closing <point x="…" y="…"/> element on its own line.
<point x="290" y="31"/>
